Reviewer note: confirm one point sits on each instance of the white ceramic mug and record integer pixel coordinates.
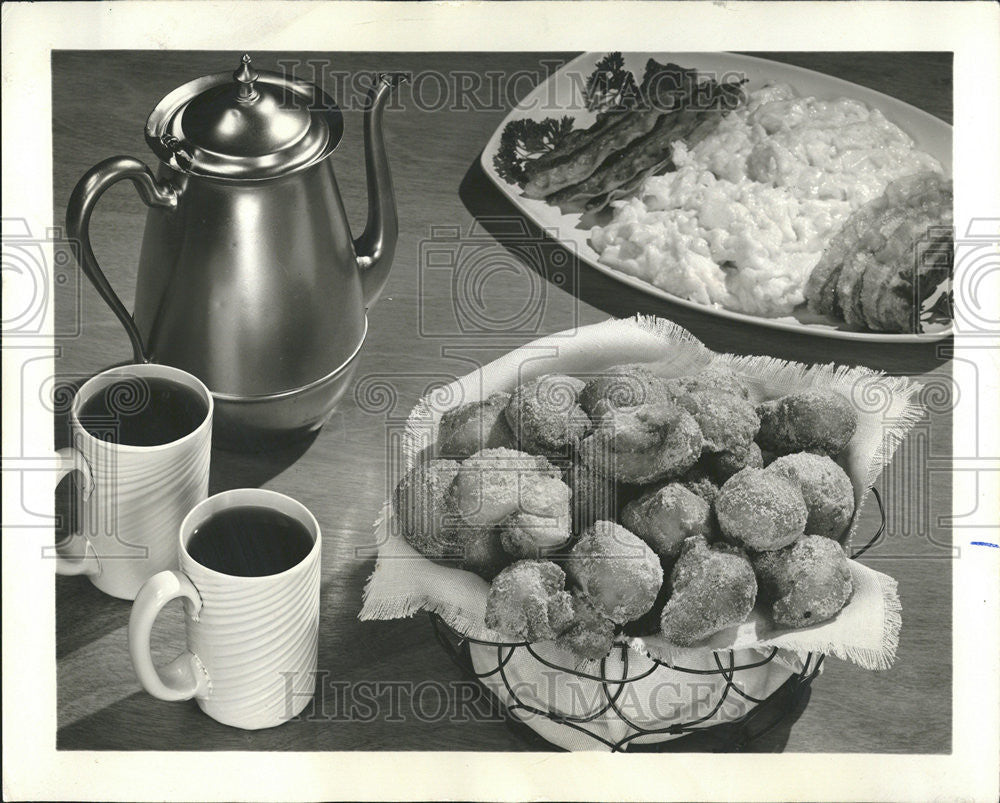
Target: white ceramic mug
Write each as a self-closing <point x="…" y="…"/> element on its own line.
<point x="133" y="498"/>
<point x="251" y="641"/>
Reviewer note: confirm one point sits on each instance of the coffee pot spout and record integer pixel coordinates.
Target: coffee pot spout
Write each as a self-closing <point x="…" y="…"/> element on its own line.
<point x="377" y="244"/>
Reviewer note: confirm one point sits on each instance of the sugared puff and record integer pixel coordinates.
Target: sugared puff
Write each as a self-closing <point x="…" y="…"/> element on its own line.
<point x="616" y="570"/>
<point x="808" y="421"/>
<point x="728" y="423"/>
<point x="421" y="506"/>
<point x="527" y="601"/>
<point x="622" y="387"/>
<point x="590" y="633"/>
<point x="826" y="490"/>
<point x="665" y="516"/>
<point x="715" y="379"/>
<point x="711" y="588"/>
<point x="805" y="583"/>
<point x="642" y="445"/>
<point x="488" y="485"/>
<point x="475" y="426"/>
<point x="761" y="509"/>
<point x="545" y="416"/>
<point x="723" y="465"/>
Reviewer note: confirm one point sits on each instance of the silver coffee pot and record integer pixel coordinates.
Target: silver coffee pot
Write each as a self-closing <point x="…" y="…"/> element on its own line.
<point x="248" y="276"/>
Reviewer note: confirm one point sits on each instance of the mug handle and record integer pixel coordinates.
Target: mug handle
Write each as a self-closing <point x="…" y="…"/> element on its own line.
<point x="71" y="460"/>
<point x="85" y="195"/>
<point x="184" y="677"/>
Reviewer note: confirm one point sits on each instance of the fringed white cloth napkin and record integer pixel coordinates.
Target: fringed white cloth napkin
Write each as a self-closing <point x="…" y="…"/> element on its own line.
<point x="866" y="631"/>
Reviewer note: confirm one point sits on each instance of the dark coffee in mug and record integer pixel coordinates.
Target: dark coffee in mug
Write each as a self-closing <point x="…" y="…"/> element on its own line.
<point x="249" y="541"/>
<point x="143" y="411"/>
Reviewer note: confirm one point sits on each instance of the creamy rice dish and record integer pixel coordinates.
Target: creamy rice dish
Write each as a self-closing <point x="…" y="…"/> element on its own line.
<point x="744" y="218"/>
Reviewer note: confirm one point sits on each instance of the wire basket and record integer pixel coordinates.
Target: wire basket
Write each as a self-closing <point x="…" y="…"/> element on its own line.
<point x="501" y="668"/>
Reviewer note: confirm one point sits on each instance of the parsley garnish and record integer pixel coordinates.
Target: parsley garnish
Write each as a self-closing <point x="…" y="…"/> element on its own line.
<point x="526" y="139"/>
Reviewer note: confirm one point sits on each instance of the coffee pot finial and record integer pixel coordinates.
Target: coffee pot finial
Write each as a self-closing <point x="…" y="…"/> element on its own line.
<point x="245" y="76"/>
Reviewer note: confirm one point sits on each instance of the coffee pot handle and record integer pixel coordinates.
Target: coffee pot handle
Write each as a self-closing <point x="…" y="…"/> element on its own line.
<point x="184" y="677"/>
<point x="81" y="205"/>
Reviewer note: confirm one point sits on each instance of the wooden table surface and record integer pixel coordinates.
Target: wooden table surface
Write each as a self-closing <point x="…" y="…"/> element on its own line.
<point x="100" y="102"/>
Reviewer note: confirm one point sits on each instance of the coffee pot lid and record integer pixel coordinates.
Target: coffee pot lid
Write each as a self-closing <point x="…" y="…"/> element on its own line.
<point x="247" y="124"/>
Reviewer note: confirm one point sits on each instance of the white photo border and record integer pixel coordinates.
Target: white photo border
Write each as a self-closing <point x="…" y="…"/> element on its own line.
<point x="33" y="769"/>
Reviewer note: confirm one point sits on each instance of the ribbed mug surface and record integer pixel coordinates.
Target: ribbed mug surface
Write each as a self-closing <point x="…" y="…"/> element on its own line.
<point x="141" y="494"/>
<point x="255" y="637"/>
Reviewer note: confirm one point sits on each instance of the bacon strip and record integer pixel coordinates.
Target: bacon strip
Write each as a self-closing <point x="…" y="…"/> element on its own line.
<point x="666" y="89"/>
<point x="647" y="155"/>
